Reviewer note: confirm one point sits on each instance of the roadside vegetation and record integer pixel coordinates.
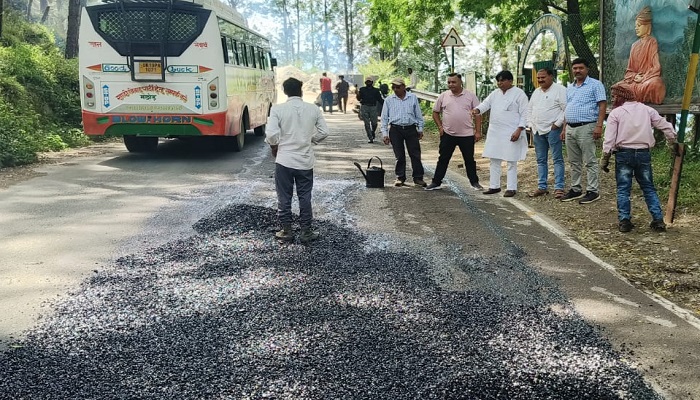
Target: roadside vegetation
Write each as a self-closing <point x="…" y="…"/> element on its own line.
<point x="39" y="94"/>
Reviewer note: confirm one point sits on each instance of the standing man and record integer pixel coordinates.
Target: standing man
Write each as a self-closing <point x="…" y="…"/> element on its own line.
<point x="292" y="128"/>
<point x="370" y="98"/>
<point x="402" y="126"/>
<point x="505" y="140"/>
<point x="326" y="92"/>
<point x="456" y="128"/>
<point x="342" y="87"/>
<point x="585" y="113"/>
<point x="413" y="78"/>
<point x="545" y="117"/>
<point x="630" y="136"/>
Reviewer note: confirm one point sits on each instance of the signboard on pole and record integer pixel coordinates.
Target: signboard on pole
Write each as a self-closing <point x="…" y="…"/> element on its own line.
<point x="452" y="39"/>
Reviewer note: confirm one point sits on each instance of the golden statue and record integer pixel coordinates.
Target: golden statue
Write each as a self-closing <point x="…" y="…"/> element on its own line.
<point x="643" y="72"/>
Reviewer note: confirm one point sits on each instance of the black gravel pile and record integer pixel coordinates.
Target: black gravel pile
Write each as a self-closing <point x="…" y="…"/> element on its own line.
<point x="229" y="313"/>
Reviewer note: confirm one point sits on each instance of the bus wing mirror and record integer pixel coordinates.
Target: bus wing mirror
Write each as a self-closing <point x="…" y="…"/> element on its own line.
<point x="273" y="62"/>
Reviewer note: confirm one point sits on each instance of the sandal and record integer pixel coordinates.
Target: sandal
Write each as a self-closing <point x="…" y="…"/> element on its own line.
<point x="559" y="193"/>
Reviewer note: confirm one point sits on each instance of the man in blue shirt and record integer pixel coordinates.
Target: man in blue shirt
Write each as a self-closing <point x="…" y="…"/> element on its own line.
<point x="402" y="126"/>
<point x="585" y="113"/>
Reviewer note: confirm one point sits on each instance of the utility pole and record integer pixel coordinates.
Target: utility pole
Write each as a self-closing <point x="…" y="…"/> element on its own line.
<point x="687" y="93"/>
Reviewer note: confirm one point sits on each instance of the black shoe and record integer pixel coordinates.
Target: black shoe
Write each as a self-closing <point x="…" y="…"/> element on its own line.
<point x="370" y="141"/>
<point x="477" y="186"/>
<point x="626" y="225"/>
<point x="658" y="225"/>
<point x="433" y="186"/>
<point x="419" y="182"/>
<point x="590" y="197"/>
<point x="571" y="195"/>
<point x="308" y="235"/>
<point x="509" y="193"/>
<point x="492" y="191"/>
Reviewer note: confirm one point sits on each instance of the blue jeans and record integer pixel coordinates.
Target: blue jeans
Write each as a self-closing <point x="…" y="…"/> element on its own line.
<point x="327" y="99"/>
<point x="543" y="143"/>
<point x="637" y="164"/>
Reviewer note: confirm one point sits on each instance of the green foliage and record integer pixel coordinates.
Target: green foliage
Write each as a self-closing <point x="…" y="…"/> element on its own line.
<point x="16" y="30"/>
<point x="688" y="195"/>
<point x="384" y="70"/>
<point x="39" y="95"/>
<point x="18" y="137"/>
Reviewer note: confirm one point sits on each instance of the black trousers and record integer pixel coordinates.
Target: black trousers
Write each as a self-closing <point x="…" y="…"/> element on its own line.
<point x="285" y="180"/>
<point x="448" y="143"/>
<point x="403" y="139"/>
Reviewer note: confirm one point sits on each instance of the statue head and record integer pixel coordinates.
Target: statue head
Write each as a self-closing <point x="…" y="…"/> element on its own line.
<point x="642" y="26"/>
<point x="621" y="92"/>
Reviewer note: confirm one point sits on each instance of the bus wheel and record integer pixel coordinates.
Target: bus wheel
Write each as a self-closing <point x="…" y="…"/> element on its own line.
<point x="239" y="140"/>
<point x="260" y="130"/>
<point x="137" y="144"/>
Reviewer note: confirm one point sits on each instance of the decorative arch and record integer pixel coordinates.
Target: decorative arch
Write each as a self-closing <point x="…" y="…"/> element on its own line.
<point x="546" y="23"/>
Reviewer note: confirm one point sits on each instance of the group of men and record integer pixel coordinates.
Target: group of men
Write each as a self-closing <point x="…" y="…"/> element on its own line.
<point x="555" y="114"/>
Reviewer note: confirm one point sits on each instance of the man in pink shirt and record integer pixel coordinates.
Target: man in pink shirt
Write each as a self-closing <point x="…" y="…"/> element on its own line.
<point x="453" y="117"/>
<point x="326" y="92"/>
<point x="630" y="136"/>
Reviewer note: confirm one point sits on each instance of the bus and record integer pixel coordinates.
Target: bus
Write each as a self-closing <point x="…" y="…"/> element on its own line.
<point x="153" y="69"/>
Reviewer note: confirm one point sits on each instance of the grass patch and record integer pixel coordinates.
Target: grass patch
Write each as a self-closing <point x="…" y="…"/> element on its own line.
<point x="688" y="193"/>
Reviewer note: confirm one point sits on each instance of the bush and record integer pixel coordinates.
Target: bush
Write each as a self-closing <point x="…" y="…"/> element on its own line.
<point x="18" y="145"/>
<point x="39" y="95"/>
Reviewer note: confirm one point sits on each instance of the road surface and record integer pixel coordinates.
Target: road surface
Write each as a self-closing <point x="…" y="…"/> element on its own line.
<point x="156" y="276"/>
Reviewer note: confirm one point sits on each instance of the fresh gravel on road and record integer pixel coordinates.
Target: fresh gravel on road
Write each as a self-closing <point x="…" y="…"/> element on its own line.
<point x="230" y="313"/>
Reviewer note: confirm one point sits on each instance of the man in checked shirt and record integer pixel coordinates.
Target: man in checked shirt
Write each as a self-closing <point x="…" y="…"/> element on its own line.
<point x="402" y="126"/>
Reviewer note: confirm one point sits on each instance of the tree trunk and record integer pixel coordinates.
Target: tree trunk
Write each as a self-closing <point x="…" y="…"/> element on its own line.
<point x="324" y="45"/>
<point x="72" y="32"/>
<point x="574" y="29"/>
<point x="437" y="52"/>
<point x="298" y="52"/>
<point x="2" y="15"/>
<point x="351" y="50"/>
<point x="348" y="35"/>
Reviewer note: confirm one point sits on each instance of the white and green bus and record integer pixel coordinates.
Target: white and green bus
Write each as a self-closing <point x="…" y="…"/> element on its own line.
<point x="154" y="69"/>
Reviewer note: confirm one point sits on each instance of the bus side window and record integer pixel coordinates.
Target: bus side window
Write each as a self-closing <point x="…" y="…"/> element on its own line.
<point x="234" y="47"/>
<point x="261" y="58"/>
<point x="244" y="55"/>
<point x="227" y="50"/>
<point x="251" y="50"/>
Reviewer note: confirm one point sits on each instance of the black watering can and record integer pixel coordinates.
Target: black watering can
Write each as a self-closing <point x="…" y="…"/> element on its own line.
<point x="374" y="177"/>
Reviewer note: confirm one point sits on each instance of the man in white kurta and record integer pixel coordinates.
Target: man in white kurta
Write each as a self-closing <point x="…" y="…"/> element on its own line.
<point x="505" y="138"/>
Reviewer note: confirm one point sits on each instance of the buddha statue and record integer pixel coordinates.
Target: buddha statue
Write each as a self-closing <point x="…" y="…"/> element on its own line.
<point x="643" y="72"/>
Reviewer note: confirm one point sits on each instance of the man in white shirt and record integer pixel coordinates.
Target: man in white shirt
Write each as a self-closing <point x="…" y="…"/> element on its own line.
<point x="413" y="79"/>
<point x="545" y="116"/>
<point x="505" y="139"/>
<point x="292" y="129"/>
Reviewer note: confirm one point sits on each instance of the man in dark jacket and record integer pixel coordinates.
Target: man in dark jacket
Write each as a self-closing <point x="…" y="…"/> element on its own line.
<point x="370" y="98"/>
<point x="342" y="87"/>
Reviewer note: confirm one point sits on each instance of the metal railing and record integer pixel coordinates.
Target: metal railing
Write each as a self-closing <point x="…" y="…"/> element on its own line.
<point x="425" y="95"/>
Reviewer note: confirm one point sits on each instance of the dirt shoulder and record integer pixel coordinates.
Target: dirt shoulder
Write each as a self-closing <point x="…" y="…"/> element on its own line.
<point x="667" y="264"/>
<point x="13" y="175"/>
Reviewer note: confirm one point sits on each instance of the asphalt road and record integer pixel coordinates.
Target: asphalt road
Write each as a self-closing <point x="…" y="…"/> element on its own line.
<point x="156" y="276"/>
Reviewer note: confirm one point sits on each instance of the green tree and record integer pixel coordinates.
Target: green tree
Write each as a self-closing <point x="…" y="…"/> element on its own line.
<point x="511" y="17"/>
